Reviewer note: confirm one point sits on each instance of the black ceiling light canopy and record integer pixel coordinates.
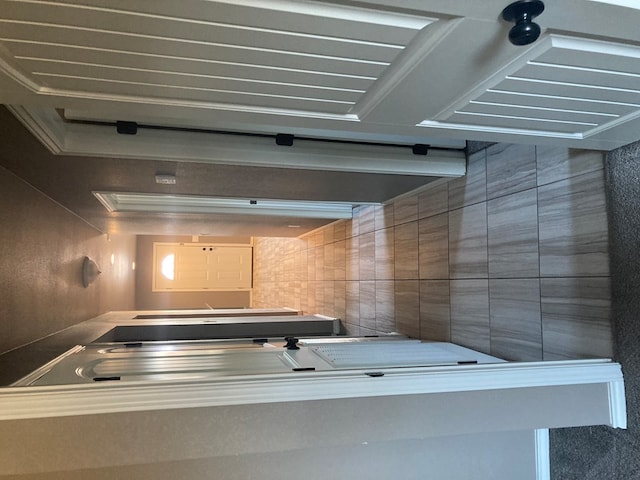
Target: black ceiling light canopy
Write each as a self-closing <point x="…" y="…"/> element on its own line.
<point x="522" y="13"/>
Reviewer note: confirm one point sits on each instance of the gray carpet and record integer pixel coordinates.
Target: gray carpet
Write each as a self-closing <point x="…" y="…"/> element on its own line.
<point x="601" y="452"/>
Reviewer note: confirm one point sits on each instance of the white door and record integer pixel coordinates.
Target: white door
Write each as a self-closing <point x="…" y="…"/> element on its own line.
<point x="197" y="267"/>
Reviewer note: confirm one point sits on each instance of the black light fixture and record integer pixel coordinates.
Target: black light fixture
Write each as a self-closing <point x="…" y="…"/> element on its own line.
<point x="126" y="128"/>
<point x="522" y="13"/>
<point x="284" y="139"/>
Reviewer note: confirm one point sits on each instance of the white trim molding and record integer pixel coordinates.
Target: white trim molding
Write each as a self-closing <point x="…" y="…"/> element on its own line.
<point x="126" y="396"/>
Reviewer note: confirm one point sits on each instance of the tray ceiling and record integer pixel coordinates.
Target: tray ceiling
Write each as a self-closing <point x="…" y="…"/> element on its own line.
<point x="429" y="72"/>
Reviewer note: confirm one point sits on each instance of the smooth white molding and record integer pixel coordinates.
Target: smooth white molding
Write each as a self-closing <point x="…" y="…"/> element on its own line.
<point x="157" y="202"/>
<point x="202" y="147"/>
<point x="618" y="404"/>
<point x="543" y="464"/>
<point x="124" y="396"/>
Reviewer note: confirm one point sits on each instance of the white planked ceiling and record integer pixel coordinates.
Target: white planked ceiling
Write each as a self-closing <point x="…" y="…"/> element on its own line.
<point x="431" y="71"/>
<point x="282" y="55"/>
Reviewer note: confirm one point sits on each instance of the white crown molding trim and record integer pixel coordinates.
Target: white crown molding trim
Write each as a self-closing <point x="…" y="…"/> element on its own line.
<point x="543" y="463"/>
<point x="170" y="203"/>
<point x="124" y="396"/>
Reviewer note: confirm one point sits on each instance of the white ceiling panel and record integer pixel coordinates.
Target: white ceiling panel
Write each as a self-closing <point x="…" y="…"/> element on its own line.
<point x="412" y="71"/>
<point x="271" y="54"/>
<point x="554" y="89"/>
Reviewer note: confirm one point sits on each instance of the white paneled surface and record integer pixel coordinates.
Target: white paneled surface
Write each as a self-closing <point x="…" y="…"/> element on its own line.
<point x="563" y="87"/>
<point x="426" y="72"/>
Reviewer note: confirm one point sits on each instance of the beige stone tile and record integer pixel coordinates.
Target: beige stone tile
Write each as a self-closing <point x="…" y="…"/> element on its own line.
<point x="470" y="325"/>
<point x="573" y="227"/>
<point x="339" y="230"/>
<point x="367" y="252"/>
<point x="405" y="210"/>
<point x="385" y="306"/>
<point x="319" y="258"/>
<point x="576" y="318"/>
<point x="406" y="251"/>
<point x="340" y="299"/>
<point x="512" y="224"/>
<point x="516" y="325"/>
<point x="407" y="307"/>
<point x="352" y="303"/>
<point x="339" y="260"/>
<point x="384" y="216"/>
<point x="384" y="254"/>
<point x="353" y="258"/>
<point x="559" y="163"/>
<point x="368" y="305"/>
<point x="468" y="242"/>
<point x="366" y="219"/>
<point x="511" y="168"/>
<point x="435" y="313"/>
<point x="471" y="188"/>
<point x="433" y="201"/>
<point x="433" y="247"/>
<point x="329" y="261"/>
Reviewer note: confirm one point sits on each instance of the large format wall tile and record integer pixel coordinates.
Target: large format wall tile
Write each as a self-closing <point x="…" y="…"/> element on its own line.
<point x="406" y="251"/>
<point x="352" y="258"/>
<point x="516" y="329"/>
<point x="407" y="307"/>
<point x="573" y="227"/>
<point x="352" y="295"/>
<point x="366" y="219"/>
<point x="384" y="254"/>
<point x="512" y="224"/>
<point x="385" y="306"/>
<point x="384" y="216"/>
<point x="367" y="256"/>
<point x="433" y="247"/>
<point x="446" y="264"/>
<point x="433" y="201"/>
<point x="559" y="163"/>
<point x="576" y="319"/>
<point x="471" y="188"/>
<point x="470" y="314"/>
<point x="368" y="305"/>
<point x="435" y="314"/>
<point x="405" y="209"/>
<point x="468" y="242"/>
<point x="510" y="168"/>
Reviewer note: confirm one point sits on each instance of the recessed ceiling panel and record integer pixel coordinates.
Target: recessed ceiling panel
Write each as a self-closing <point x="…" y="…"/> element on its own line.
<point x="563" y="87"/>
<point x="271" y="54"/>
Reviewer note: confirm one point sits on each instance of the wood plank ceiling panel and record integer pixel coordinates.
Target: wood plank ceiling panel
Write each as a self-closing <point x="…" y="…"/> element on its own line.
<point x="563" y="86"/>
<point x="271" y="54"/>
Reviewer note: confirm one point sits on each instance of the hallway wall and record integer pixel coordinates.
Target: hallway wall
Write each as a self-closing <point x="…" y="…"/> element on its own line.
<point x="42" y="247"/>
<point x="510" y="260"/>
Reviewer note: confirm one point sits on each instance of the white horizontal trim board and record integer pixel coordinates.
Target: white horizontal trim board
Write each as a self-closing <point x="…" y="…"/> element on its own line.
<point x="149" y="202"/>
<point x="109" y="397"/>
<point x="201" y="147"/>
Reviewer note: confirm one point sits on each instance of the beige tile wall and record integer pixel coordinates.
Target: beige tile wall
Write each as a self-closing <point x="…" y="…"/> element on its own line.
<point x="510" y="260"/>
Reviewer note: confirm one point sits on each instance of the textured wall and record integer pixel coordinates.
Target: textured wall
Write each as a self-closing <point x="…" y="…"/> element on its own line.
<point x="146" y="299"/>
<point x="511" y="260"/>
<point x="42" y="246"/>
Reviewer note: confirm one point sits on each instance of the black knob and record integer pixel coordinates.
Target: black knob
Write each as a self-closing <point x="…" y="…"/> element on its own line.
<point x="291" y="343"/>
<point x="522" y="13"/>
